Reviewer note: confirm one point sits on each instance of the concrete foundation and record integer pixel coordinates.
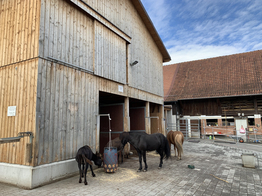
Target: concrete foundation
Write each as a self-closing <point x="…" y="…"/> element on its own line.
<point x="29" y="177"/>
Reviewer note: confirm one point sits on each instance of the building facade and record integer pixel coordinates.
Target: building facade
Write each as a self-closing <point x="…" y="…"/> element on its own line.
<point x="66" y="68"/>
<point x="222" y="94"/>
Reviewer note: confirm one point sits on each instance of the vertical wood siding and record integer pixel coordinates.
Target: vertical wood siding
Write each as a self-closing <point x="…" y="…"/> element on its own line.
<point x="19" y="30"/>
<point x="110" y="57"/>
<point x="148" y="74"/>
<point x="66" y="34"/>
<point x="68" y="107"/>
<point x="18" y="88"/>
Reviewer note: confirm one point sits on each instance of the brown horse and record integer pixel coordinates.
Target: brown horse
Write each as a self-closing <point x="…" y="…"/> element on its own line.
<point x="121" y="151"/>
<point x="177" y="139"/>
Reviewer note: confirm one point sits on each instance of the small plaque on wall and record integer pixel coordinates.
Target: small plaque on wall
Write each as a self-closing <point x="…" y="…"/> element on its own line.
<point x="11" y="111"/>
<point x="120" y="88"/>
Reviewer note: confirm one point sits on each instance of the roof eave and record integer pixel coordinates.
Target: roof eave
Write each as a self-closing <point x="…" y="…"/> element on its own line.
<point x="226" y="96"/>
<point x="152" y="30"/>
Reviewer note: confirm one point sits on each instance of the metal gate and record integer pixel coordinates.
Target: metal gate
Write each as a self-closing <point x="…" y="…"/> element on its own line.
<point x="189" y="127"/>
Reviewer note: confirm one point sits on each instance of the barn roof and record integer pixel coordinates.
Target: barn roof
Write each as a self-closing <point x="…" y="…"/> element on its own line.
<point x="233" y="75"/>
<point x="149" y="25"/>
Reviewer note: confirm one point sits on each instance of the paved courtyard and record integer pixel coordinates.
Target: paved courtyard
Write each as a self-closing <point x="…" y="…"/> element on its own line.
<point x="218" y="171"/>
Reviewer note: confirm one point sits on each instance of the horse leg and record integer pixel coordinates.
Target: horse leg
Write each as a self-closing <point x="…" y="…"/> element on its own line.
<point x="85" y="171"/>
<point x="80" y="171"/>
<point x="169" y="147"/>
<point x="140" y="162"/>
<point x="144" y="158"/>
<point x="122" y="156"/>
<point x="83" y="168"/>
<point x="179" y="154"/>
<point x="160" y="152"/>
<point x="91" y="168"/>
<point x="175" y="150"/>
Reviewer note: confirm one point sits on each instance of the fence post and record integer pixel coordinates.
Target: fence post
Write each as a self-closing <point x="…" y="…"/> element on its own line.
<point x="198" y="128"/>
<point x="186" y="129"/>
<point x="213" y="134"/>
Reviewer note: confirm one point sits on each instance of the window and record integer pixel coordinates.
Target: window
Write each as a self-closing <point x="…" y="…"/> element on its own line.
<point x="228" y="122"/>
<point x="251" y="122"/>
<point x="211" y="122"/>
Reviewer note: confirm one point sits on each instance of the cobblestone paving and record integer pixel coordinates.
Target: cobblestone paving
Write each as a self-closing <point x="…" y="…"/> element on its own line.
<point x="218" y="171"/>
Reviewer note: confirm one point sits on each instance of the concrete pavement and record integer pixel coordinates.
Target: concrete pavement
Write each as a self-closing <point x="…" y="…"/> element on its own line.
<point x="218" y="171"/>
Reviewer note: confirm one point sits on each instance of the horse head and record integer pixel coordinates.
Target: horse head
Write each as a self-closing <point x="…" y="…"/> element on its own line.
<point x="98" y="159"/>
<point x="124" y="137"/>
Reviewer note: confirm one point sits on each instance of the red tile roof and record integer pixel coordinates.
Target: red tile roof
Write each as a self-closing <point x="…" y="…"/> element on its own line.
<point x="233" y="75"/>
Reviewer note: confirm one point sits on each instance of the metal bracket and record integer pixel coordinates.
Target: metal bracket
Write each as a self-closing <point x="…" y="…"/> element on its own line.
<point x="17" y="139"/>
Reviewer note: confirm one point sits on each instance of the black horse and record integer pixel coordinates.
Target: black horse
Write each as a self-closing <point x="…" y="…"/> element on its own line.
<point x="83" y="157"/>
<point x="143" y="142"/>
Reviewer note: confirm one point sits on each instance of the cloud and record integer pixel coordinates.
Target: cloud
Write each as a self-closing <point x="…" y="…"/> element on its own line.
<point x="196" y="52"/>
<point x="199" y="29"/>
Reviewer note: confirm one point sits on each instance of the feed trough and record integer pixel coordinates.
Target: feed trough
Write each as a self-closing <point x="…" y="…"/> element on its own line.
<point x="110" y="154"/>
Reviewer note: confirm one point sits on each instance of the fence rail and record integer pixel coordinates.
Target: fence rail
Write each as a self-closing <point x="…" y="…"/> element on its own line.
<point x="190" y="128"/>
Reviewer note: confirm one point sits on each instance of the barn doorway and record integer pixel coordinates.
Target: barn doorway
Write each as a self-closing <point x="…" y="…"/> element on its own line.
<point x="155" y="118"/>
<point x="114" y="106"/>
<point x="137" y="113"/>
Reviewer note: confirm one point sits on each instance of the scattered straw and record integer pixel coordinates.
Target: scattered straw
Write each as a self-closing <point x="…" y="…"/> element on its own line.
<point x="219" y="178"/>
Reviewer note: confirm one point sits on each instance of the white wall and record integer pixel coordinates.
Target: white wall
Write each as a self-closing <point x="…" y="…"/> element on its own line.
<point x="28" y="177"/>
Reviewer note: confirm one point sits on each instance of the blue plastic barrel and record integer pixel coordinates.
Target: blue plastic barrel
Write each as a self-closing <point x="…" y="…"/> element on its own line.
<point x="110" y="159"/>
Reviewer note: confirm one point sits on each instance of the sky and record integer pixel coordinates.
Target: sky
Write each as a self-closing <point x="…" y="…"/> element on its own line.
<point x="200" y="29"/>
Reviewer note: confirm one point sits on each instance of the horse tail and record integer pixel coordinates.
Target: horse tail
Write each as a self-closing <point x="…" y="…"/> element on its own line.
<point x="86" y="160"/>
<point x="166" y="147"/>
<point x="179" y="142"/>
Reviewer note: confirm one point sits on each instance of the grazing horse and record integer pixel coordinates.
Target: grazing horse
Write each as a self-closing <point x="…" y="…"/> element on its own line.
<point x="143" y="142"/>
<point x="83" y="157"/>
<point x="120" y="149"/>
<point x="177" y="139"/>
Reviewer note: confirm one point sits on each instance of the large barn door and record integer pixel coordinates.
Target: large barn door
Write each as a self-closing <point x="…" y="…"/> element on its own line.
<point x="116" y="112"/>
<point x="137" y="119"/>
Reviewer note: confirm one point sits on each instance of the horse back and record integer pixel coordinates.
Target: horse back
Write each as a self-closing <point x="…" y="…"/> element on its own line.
<point x="115" y="143"/>
<point x="152" y="141"/>
<point x="86" y="151"/>
<point x="179" y="134"/>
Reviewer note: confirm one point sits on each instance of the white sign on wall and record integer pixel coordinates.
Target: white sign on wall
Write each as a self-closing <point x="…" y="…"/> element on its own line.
<point x="120" y="88"/>
<point x="11" y="111"/>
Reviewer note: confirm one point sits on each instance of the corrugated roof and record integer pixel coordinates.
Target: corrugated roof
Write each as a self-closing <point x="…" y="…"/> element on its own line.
<point x="233" y="75"/>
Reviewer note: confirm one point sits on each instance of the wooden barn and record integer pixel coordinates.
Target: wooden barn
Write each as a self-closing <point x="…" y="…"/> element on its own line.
<point x="220" y="93"/>
<point x="66" y="68"/>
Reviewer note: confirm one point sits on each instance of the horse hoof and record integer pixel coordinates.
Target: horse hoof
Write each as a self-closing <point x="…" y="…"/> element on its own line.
<point x="159" y="167"/>
<point x="145" y="170"/>
<point x="139" y="170"/>
<point x="80" y="181"/>
<point x="94" y="175"/>
<point x="85" y="183"/>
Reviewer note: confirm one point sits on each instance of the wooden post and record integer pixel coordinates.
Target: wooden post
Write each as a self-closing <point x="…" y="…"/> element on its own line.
<point x="161" y="120"/>
<point x="127" y="121"/>
<point x="148" y="121"/>
<point x="126" y="116"/>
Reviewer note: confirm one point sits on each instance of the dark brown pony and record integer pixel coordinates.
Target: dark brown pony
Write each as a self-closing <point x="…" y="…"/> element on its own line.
<point x="84" y="157"/>
<point x="120" y="149"/>
<point x="177" y="139"/>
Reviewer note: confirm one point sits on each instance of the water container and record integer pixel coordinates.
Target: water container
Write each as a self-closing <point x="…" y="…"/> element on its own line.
<point x="248" y="160"/>
<point x="110" y="159"/>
